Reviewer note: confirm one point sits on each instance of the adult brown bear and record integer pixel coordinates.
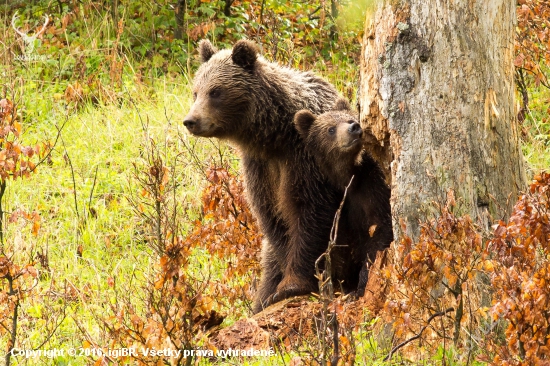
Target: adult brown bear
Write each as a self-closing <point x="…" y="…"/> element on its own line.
<point x="250" y="102"/>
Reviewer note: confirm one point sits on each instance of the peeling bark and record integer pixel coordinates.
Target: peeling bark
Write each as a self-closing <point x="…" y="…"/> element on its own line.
<point x="437" y="94"/>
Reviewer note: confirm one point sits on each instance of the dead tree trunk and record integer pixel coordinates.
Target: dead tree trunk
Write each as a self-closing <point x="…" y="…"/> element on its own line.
<point x="437" y="92"/>
<point x="180" y="19"/>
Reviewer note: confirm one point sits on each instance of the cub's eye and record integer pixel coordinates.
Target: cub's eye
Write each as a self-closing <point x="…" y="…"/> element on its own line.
<point x="194" y="96"/>
<point x="214" y="93"/>
<point x="332" y="130"/>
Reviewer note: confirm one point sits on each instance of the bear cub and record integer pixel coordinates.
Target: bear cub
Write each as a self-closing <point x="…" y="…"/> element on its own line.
<point x="334" y="139"/>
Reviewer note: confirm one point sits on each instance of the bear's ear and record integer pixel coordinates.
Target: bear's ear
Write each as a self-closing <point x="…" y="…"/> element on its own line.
<point x="245" y="53"/>
<point x="342" y="105"/>
<point x="206" y="50"/>
<point x="303" y="120"/>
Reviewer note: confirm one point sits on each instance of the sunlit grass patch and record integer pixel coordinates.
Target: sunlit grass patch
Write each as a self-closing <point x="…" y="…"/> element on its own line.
<point x="536" y="130"/>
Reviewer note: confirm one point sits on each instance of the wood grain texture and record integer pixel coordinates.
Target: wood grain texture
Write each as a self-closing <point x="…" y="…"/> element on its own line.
<point x="437" y="92"/>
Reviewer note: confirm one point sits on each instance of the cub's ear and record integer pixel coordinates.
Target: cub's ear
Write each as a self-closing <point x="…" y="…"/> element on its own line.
<point x="206" y="50"/>
<point x="245" y="53"/>
<point x="303" y="120"/>
<point x="342" y="105"/>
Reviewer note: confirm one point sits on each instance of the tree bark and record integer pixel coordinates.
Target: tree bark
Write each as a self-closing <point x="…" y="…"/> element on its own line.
<point x="437" y="94"/>
<point x="180" y="19"/>
<point x="227" y="7"/>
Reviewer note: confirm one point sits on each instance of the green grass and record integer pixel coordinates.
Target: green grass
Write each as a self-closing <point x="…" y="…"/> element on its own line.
<point x="536" y="128"/>
<point x="93" y="162"/>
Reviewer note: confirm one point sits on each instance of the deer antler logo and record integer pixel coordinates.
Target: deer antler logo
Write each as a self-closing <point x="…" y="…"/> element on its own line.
<point x="29" y="41"/>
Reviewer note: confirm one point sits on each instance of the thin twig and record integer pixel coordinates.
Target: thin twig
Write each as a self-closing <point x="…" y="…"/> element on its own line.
<point x="2" y="191"/>
<point x="326" y="288"/>
<point x="14" y="319"/>
<point x="92" y="190"/>
<point x="310" y="16"/>
<point x="51" y="147"/>
<point x="74" y="181"/>
<point x="403" y="344"/>
<point x="64" y="316"/>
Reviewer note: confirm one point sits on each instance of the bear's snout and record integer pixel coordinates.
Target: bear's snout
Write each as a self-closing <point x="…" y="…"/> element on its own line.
<point x="201" y="125"/>
<point x="355" y="129"/>
<point x="194" y="122"/>
<point x="190" y="122"/>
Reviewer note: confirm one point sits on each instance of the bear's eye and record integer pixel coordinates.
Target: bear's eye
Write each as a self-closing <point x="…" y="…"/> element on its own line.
<point x="332" y="130"/>
<point x="214" y="93"/>
<point x="194" y="96"/>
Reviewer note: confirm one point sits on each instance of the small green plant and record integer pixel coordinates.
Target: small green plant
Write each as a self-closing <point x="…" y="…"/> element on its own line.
<point x="19" y="273"/>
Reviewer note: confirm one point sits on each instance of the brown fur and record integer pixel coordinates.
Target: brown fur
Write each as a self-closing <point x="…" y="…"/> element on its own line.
<point x="334" y="139"/>
<point x="250" y="102"/>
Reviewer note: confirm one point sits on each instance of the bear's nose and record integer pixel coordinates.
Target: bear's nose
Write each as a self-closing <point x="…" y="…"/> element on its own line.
<point x="355" y="129"/>
<point x="189" y="123"/>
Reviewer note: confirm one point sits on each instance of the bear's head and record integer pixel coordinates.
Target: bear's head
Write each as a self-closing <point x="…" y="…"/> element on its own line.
<point x="333" y="138"/>
<point x="222" y="90"/>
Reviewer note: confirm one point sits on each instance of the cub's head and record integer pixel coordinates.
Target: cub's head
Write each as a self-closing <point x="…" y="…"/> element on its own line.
<point x="333" y="135"/>
<point x="333" y="138"/>
<point x="222" y="90"/>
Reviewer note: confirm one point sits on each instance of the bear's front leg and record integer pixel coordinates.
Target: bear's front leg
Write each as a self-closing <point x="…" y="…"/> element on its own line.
<point x="271" y="277"/>
<point x="311" y="208"/>
<point x="260" y="178"/>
